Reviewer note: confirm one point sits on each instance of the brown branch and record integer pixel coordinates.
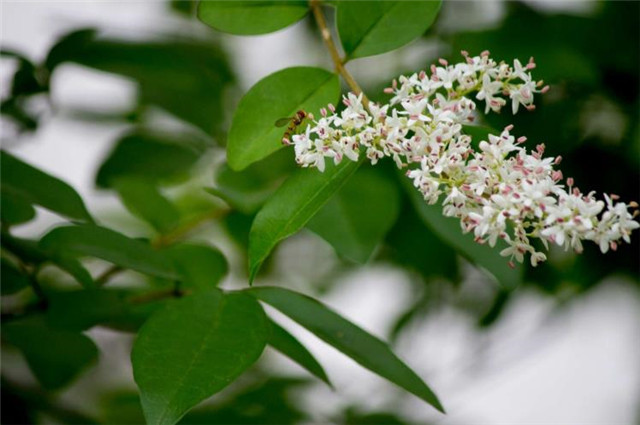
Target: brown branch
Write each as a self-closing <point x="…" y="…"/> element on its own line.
<point x="316" y="7"/>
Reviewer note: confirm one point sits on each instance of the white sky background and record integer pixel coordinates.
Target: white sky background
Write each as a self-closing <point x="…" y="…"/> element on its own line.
<point x="578" y="366"/>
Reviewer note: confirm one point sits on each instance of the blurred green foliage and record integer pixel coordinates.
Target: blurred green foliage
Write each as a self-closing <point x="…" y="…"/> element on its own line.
<point x="590" y="117"/>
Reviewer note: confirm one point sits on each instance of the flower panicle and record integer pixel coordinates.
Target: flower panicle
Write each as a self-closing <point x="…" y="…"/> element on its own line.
<point x="496" y="188"/>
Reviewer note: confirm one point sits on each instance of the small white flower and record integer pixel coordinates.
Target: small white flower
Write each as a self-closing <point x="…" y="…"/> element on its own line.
<point x="499" y="189"/>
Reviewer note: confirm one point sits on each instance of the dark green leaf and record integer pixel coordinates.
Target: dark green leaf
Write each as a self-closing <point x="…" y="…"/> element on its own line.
<point x="15" y="208"/>
<point x="119" y="309"/>
<point x="292" y="206"/>
<point x="356" y="219"/>
<point x="194" y="348"/>
<point x="30" y="252"/>
<point x="367" y="350"/>
<point x="372" y="27"/>
<point x="200" y="266"/>
<point x="13" y="280"/>
<point x="100" y="242"/>
<point x="25" y="79"/>
<point x="448" y="229"/>
<point x="145" y="200"/>
<point x="251" y="17"/>
<point x="81" y="310"/>
<point x="196" y="69"/>
<point x="40" y="188"/>
<point x="55" y="356"/>
<point x="414" y="245"/>
<point x="288" y="345"/>
<point x="152" y="157"/>
<point x="247" y="190"/>
<point x="26" y="249"/>
<point x="264" y="403"/>
<point x="253" y="134"/>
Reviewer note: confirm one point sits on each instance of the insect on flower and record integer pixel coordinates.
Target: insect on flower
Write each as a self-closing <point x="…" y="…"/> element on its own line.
<point x="292" y="124"/>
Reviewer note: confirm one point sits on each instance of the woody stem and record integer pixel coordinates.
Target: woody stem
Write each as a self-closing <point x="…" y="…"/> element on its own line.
<point x="316" y="7"/>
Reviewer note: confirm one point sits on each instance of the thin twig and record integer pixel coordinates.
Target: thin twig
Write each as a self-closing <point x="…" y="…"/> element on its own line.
<point x="108" y="274"/>
<point x="33" y="281"/>
<point x="316" y="7"/>
<point x="181" y="231"/>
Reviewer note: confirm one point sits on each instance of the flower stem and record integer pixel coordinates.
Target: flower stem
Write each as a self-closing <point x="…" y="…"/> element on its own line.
<point x="316" y="7"/>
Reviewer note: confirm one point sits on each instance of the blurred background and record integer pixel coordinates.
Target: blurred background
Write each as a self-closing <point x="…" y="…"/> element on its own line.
<point x="563" y="348"/>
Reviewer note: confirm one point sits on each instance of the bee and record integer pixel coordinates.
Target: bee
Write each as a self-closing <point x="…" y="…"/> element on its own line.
<point x="292" y="124"/>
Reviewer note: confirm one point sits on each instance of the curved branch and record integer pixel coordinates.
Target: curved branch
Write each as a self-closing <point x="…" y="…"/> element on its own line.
<point x="316" y="7"/>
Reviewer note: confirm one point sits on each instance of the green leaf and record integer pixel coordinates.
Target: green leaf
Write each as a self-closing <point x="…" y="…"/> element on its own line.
<point x="265" y="402"/>
<point x="367" y="350"/>
<point x="72" y="266"/>
<point x="414" y="245"/>
<point x="292" y="206"/>
<point x="251" y="17"/>
<point x="369" y="28"/>
<point x="13" y="280"/>
<point x="201" y="266"/>
<point x="39" y="188"/>
<point x="155" y="158"/>
<point x="81" y="310"/>
<point x="144" y="199"/>
<point x="54" y="356"/>
<point x="30" y="251"/>
<point x="15" y="208"/>
<point x="449" y="231"/>
<point x="196" y="68"/>
<point x="193" y="348"/>
<point x="357" y="218"/>
<point x="247" y="190"/>
<point x="100" y="242"/>
<point x="253" y="134"/>
<point x="288" y="345"/>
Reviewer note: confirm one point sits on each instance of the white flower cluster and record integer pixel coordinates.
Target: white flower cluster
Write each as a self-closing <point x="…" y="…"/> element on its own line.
<point x="496" y="188"/>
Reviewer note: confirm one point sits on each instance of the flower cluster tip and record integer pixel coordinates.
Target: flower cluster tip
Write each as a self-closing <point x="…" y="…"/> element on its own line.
<point x="496" y="188"/>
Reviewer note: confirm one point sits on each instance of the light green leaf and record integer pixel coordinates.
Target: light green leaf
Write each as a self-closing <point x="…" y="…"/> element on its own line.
<point x="449" y="231"/>
<point x="193" y="348"/>
<point x="55" y="356"/>
<point x="292" y="206"/>
<point x="367" y="350"/>
<point x="357" y="218"/>
<point x="369" y="28"/>
<point x="36" y="187"/>
<point x="201" y="266"/>
<point x="251" y="17"/>
<point x="12" y="279"/>
<point x="288" y="345"/>
<point x="144" y="199"/>
<point x="100" y="242"/>
<point x="149" y="156"/>
<point x="253" y="134"/>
